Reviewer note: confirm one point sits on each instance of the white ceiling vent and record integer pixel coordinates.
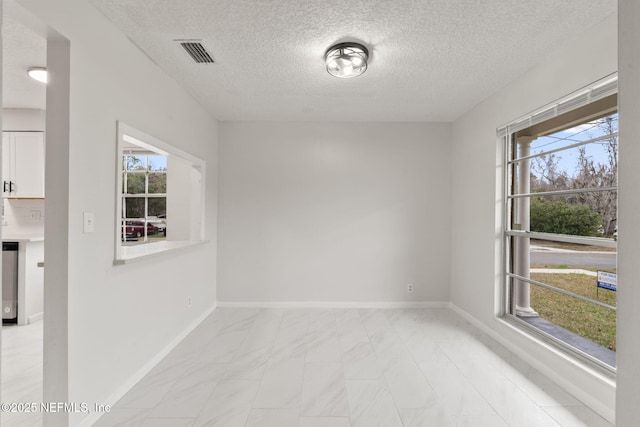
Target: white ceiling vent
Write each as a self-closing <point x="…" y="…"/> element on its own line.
<point x="197" y="52"/>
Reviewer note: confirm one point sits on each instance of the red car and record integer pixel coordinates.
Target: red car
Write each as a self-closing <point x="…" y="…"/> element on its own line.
<point x="135" y="229"/>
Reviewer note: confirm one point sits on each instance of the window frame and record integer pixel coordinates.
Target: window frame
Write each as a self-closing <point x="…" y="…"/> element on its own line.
<point x="146" y="195"/>
<point x="598" y="92"/>
<point x="126" y="254"/>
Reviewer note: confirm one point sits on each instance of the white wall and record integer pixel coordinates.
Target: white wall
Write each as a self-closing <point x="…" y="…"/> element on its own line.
<point x="23" y="119"/>
<point x="183" y="208"/>
<point x="333" y="212"/>
<point x="628" y="349"/>
<point x="119" y="317"/>
<point x="476" y="189"/>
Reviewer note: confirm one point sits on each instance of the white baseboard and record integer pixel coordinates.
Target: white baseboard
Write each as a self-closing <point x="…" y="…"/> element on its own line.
<point x="35" y="317"/>
<point x="591" y="401"/>
<point x="133" y="380"/>
<point x="333" y="304"/>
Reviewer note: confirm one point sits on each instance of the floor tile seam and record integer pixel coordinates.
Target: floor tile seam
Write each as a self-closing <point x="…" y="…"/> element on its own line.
<point x="374" y="347"/>
<point x="244" y="339"/>
<point x="384" y="376"/>
<point x="569" y="406"/>
<point x="344" y="388"/>
<point x="344" y="379"/>
<point x="461" y="372"/>
<point x="304" y="359"/>
<point x="298" y="407"/>
<point x="273" y="346"/>
<point x="573" y="406"/>
<point x="393" y="399"/>
<point x="253" y="401"/>
<point x="347" y="396"/>
<point x="559" y="422"/>
<point x="164" y="395"/>
<point x="438" y="394"/>
<point x="213" y="389"/>
<point x="225" y="323"/>
<point x="476" y="389"/>
<point x="354" y="344"/>
<point x="492" y="367"/>
<point x="504" y="416"/>
<point x="528" y="393"/>
<point x="211" y="394"/>
<point x="417" y="365"/>
<point x="352" y="333"/>
<point x="360" y="316"/>
<point x="594" y="413"/>
<point x="144" y="415"/>
<point x="530" y="397"/>
<point x="205" y="400"/>
<point x="306" y="342"/>
<point x="126" y="406"/>
<point x="228" y="324"/>
<point x="246" y="424"/>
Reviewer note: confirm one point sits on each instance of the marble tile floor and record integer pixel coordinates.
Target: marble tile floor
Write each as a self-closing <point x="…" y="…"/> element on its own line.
<point x="21" y="372"/>
<point x="341" y="368"/>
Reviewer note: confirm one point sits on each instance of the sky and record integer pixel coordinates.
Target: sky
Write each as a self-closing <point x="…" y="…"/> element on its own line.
<point x="583" y="132"/>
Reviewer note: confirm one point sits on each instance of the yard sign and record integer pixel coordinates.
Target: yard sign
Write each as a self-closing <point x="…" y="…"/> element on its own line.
<point x="608" y="281"/>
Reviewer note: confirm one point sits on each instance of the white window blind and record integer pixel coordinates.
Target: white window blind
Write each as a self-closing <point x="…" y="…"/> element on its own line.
<point x="595" y="91"/>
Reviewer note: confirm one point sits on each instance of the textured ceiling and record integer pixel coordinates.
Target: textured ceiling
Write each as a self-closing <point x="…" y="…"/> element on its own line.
<point x="431" y="60"/>
<point x="21" y="50"/>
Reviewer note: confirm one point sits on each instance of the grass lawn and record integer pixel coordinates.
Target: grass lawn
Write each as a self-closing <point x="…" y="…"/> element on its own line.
<point x="583" y="318"/>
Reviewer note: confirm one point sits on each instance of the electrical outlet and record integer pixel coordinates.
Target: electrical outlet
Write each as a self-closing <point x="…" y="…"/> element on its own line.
<point x="410" y="288"/>
<point x="188" y="301"/>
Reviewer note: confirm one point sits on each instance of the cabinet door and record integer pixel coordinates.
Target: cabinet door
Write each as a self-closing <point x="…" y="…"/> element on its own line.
<point x="28" y="164"/>
<point x="6" y="163"/>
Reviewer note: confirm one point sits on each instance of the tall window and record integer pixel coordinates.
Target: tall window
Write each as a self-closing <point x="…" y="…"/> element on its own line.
<point x="561" y="176"/>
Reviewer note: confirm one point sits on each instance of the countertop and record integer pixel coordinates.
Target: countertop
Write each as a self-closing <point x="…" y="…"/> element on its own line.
<point x="23" y="238"/>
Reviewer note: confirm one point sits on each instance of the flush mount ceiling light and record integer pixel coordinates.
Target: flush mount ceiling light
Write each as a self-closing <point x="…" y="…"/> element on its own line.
<point x="346" y="60"/>
<point x="38" y="73"/>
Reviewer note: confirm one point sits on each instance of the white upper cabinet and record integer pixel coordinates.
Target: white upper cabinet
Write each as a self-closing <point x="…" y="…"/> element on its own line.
<point x="23" y="165"/>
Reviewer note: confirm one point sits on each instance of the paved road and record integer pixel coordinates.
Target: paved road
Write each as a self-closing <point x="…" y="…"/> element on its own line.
<point x="574" y="258"/>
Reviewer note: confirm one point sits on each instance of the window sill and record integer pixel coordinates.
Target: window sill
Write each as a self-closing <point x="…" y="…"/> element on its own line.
<point x="129" y="254"/>
<point x="591" y="366"/>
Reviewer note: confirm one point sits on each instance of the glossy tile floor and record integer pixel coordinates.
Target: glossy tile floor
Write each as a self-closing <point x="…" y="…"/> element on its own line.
<point x="21" y="372"/>
<point x="339" y="368"/>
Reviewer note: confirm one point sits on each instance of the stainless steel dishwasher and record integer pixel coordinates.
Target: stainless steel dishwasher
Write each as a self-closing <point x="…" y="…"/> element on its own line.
<point x="9" y="282"/>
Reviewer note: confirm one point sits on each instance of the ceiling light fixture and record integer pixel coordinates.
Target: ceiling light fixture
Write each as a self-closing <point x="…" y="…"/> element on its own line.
<point x="346" y="60"/>
<point x="38" y="73"/>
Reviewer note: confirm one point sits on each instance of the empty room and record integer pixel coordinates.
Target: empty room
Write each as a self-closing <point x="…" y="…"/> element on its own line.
<point x="310" y="214"/>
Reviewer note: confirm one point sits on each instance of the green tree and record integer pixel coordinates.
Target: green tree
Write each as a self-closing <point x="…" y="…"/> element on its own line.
<point x="593" y="174"/>
<point x="558" y="216"/>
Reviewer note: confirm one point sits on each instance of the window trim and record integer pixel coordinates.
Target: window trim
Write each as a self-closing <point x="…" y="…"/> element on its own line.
<point x="124" y="254"/>
<point x="601" y="98"/>
<point x="126" y="173"/>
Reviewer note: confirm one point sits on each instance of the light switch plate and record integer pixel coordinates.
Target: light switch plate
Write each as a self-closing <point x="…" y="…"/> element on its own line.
<point x="88" y="222"/>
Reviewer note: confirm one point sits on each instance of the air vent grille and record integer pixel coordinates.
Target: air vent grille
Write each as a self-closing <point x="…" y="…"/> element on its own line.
<point x="197" y="52"/>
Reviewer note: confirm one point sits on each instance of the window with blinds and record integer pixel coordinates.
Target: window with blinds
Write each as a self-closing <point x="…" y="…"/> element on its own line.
<point x="560" y="215"/>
